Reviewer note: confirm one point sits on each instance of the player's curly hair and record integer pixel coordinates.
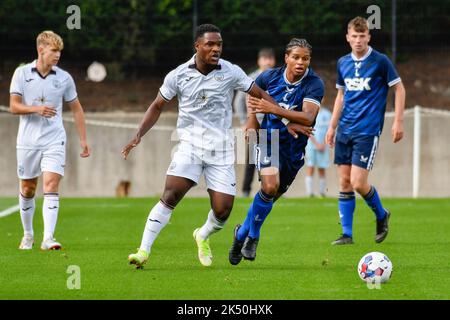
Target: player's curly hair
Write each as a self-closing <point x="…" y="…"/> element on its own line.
<point x="204" y="28"/>
<point x="296" y="42"/>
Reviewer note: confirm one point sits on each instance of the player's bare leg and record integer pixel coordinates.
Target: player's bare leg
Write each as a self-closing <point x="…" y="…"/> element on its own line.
<point x="174" y="190"/>
<point x="221" y="206"/>
<point x="50" y="209"/>
<point x="27" y="207"/>
<point x="270" y="180"/>
<point x="359" y="178"/>
<point x="344" y="178"/>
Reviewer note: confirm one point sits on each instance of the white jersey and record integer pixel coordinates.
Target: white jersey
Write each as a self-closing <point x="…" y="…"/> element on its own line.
<point x="204" y="103"/>
<point x="36" y="131"/>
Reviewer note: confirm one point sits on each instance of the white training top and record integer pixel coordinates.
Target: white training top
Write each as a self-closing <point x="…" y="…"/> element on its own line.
<point x="36" y="131"/>
<point x="204" y="102"/>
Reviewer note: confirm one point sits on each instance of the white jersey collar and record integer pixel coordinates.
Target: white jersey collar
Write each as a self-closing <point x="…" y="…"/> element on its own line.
<point x="296" y="82"/>
<point x="364" y="57"/>
<point x="34" y="69"/>
<point x="193" y="65"/>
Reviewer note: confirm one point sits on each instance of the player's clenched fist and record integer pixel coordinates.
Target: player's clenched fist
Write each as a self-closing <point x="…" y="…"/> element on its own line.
<point x="86" y="150"/>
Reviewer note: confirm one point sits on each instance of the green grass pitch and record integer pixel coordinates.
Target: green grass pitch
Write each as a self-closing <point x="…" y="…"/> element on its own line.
<point x="295" y="259"/>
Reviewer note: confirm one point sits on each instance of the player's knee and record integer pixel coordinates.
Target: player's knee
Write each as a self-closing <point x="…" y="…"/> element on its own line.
<point x="51" y="185"/>
<point x="28" y="191"/>
<point x="171" y="197"/>
<point x="345" y="184"/>
<point x="223" y="211"/>
<point x="270" y="188"/>
<point x="358" y="185"/>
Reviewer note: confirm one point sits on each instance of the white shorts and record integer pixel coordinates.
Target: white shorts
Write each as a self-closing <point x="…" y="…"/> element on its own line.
<point x="218" y="168"/>
<point x="32" y="162"/>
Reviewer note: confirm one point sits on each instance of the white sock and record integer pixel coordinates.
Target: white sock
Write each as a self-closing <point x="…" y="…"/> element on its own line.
<point x="158" y="218"/>
<point x="212" y="225"/>
<point x="322" y="185"/>
<point x="27" y="208"/>
<point x="309" y="185"/>
<point x="50" y="213"/>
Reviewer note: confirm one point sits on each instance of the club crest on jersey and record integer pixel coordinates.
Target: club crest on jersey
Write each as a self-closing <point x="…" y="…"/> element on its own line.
<point x="288" y="93"/>
<point x="357" y="84"/>
<point x="56" y="84"/>
<point x="219" y="76"/>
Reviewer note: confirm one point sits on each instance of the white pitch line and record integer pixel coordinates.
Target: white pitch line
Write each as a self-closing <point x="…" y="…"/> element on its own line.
<point x="9" y="211"/>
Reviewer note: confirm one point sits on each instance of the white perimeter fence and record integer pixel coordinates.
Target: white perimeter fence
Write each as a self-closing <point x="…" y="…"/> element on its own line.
<point x="417" y="166"/>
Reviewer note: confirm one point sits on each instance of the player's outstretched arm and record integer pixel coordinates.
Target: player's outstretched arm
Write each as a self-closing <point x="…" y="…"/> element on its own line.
<point x="305" y="117"/>
<point x="148" y="121"/>
<point x="337" y="110"/>
<point x="261" y="97"/>
<point x="397" y="127"/>
<point x="252" y="123"/>
<point x="78" y="116"/>
<point x="257" y="92"/>
<point x="17" y="107"/>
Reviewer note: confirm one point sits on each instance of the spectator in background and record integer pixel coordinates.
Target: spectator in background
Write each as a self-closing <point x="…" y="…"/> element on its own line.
<point x="266" y="60"/>
<point x="318" y="153"/>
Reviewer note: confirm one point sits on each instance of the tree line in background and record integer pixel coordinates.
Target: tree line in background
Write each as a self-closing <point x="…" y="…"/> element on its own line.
<point x="138" y="34"/>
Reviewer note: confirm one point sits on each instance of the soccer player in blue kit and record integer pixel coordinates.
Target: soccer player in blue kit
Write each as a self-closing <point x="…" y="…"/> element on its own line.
<point x="298" y="92"/>
<point x="363" y="80"/>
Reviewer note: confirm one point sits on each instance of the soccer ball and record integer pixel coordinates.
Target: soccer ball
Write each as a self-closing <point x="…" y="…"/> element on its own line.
<point x="375" y="267"/>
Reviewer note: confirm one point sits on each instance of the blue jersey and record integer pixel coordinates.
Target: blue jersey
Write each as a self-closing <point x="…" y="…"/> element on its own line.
<point x="290" y="96"/>
<point x="366" y="82"/>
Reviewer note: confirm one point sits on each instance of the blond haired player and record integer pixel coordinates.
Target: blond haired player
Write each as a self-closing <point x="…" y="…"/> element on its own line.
<point x="37" y="92"/>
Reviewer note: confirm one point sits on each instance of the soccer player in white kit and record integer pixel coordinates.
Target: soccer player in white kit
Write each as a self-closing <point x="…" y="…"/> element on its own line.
<point x="204" y="87"/>
<point x="36" y="94"/>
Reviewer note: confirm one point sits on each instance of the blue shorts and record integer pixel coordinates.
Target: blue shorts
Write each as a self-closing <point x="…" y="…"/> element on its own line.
<point x="317" y="159"/>
<point x="287" y="167"/>
<point x="358" y="150"/>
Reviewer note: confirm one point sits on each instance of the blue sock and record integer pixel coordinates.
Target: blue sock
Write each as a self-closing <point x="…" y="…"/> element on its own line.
<point x="245" y="227"/>
<point x="347" y="205"/>
<point x="374" y="202"/>
<point x="262" y="205"/>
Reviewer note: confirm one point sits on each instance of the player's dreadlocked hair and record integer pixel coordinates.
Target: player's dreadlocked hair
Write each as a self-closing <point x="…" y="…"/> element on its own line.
<point x="204" y="28"/>
<point x="296" y="42"/>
